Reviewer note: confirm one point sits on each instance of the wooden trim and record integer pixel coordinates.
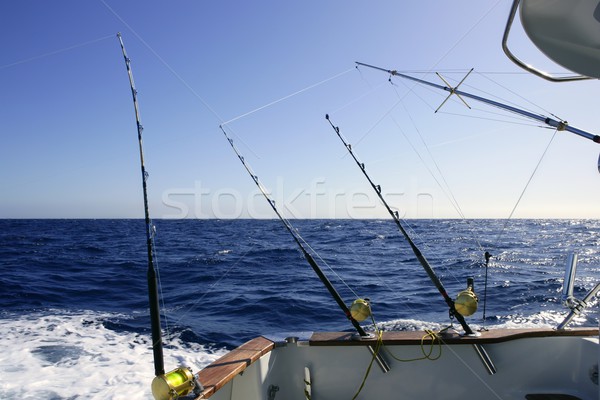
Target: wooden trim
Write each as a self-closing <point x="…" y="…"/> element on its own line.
<point x="219" y="373"/>
<point x="415" y="337"/>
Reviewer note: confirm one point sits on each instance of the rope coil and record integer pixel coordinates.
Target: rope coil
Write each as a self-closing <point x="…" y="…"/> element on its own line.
<point x="435" y="341"/>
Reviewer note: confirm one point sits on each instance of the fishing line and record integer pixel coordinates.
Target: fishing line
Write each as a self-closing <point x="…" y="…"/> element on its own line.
<point x="514" y="93"/>
<point x="437" y="93"/>
<point x="293" y="231"/>
<point x="208" y="107"/>
<point x="477" y="375"/>
<point x="383" y="281"/>
<point x="211" y="287"/>
<point x="365" y="94"/>
<point x="327" y="265"/>
<point x="484" y="16"/>
<point x="414" y="233"/>
<point x="314" y="85"/>
<point x="75" y="46"/>
<point x="377" y="122"/>
<point x="175" y="74"/>
<point x="492" y="95"/>
<point x="454" y="201"/>
<point x="504" y="226"/>
<point x="196" y="94"/>
<point x="301" y="245"/>
<point x="299" y="239"/>
<point x="517" y="120"/>
<point x="400" y="101"/>
<point x="449" y="194"/>
<point x="526" y="186"/>
<point x="160" y="286"/>
<point x="445" y="188"/>
<point x="516" y="116"/>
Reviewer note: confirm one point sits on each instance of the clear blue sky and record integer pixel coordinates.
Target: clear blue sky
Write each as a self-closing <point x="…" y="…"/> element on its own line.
<point x="69" y="145"/>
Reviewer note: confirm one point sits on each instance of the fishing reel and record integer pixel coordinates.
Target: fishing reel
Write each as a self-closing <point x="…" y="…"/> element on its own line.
<point x="360" y="309"/>
<point x="466" y="301"/>
<point x="174" y="384"/>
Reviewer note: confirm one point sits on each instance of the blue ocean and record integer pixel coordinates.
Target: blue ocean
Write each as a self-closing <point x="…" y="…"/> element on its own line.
<point x="74" y="320"/>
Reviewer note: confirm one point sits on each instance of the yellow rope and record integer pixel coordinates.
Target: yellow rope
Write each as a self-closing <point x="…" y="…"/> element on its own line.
<point x="375" y="352"/>
<point x="427" y="355"/>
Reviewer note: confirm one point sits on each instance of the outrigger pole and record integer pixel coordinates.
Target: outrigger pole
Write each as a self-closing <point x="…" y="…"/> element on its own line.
<point x="559" y="125"/>
<point x="298" y="239"/>
<point x="157" y="348"/>
<point x="438" y="284"/>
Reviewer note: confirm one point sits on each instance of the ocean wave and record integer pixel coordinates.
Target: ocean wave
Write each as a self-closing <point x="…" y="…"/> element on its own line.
<point x="67" y="355"/>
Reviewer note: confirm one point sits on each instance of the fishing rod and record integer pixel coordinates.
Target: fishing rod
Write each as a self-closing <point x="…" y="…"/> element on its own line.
<point x="311" y="261"/>
<point x="428" y="269"/>
<point x="558" y="125"/>
<point x="157" y="348"/>
<point x="180" y="381"/>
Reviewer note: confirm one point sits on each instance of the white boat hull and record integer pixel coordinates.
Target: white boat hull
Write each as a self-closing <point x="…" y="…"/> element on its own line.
<point x="530" y="364"/>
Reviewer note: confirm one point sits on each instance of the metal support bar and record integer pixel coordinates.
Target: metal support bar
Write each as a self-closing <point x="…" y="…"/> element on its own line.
<point x="485" y="359"/>
<point x="560" y="125"/>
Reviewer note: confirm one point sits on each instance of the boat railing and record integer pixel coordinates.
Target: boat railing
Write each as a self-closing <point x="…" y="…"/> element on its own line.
<point x="528" y="67"/>
<point x="575" y="305"/>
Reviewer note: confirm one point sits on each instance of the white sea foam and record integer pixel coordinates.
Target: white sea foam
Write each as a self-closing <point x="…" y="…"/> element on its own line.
<point x="55" y="356"/>
<point x="543" y="319"/>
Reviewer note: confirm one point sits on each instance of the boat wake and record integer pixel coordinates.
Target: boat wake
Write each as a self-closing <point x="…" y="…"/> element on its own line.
<point x="543" y="319"/>
<point x="69" y="355"/>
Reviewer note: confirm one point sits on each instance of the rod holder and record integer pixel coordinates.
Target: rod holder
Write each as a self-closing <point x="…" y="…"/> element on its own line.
<point x="569" y="281"/>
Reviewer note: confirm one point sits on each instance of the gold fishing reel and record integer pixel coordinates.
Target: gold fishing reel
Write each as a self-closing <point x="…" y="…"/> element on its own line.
<point x="466" y="302"/>
<point x="360" y="309"/>
<point x="174" y="384"/>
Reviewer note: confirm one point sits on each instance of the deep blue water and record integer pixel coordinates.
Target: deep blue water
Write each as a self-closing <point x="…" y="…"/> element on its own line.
<point x="226" y="281"/>
<point x="230" y="280"/>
